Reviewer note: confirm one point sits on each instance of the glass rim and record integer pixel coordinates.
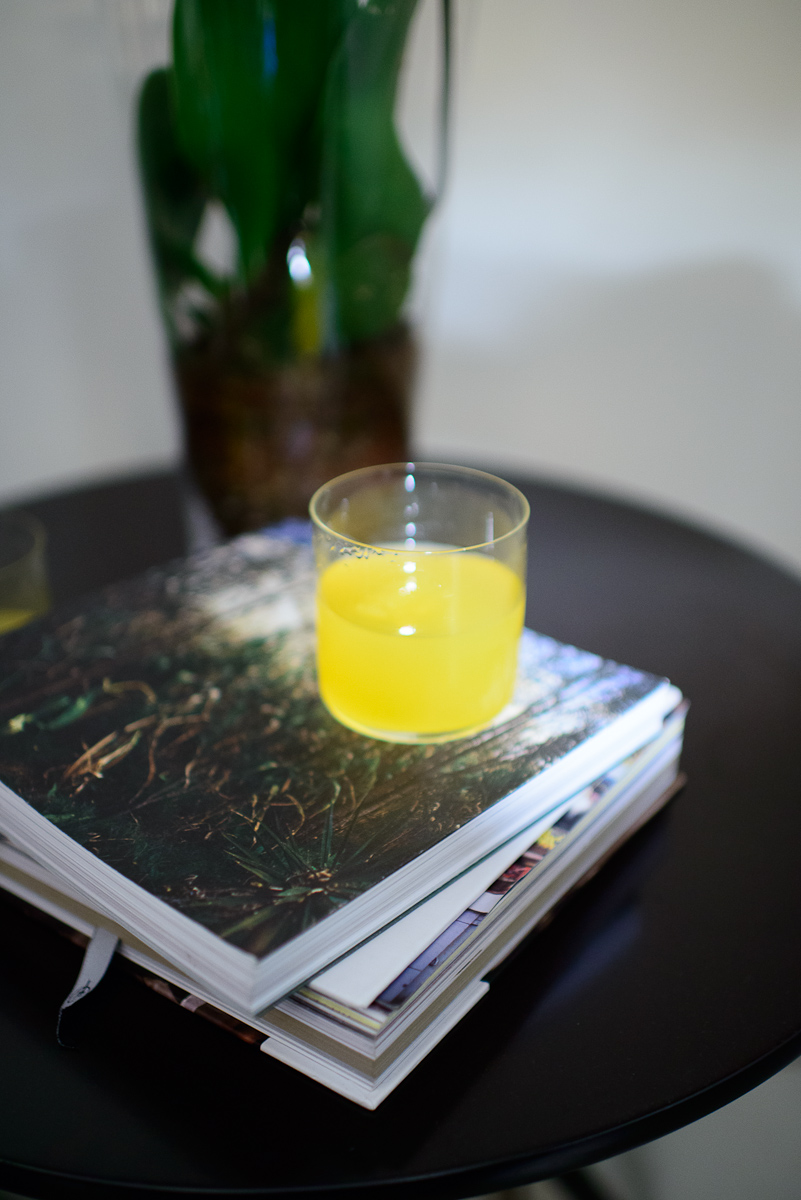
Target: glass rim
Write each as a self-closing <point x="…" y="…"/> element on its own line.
<point x="408" y="467"/>
<point x="34" y="526"/>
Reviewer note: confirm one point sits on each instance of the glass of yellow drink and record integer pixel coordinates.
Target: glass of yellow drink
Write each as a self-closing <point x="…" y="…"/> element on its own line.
<point x="421" y="573"/>
<point x="24" y="591"/>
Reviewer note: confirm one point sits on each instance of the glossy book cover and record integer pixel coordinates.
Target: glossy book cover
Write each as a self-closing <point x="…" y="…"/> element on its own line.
<point x="172" y="727"/>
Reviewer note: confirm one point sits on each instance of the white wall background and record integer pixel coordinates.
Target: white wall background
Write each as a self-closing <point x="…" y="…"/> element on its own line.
<point x="83" y="383"/>
<point x="619" y="291"/>
<point x="614" y="279"/>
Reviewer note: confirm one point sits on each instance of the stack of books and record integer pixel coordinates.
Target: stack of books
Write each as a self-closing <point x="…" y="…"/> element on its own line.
<point x="169" y="775"/>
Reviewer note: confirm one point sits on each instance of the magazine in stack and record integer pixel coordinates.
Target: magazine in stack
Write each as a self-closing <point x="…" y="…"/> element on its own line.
<point x="169" y="774"/>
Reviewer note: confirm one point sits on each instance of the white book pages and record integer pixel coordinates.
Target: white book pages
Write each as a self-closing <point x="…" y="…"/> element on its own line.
<point x="353" y="1084"/>
<point x="357" y="979"/>
<point x="363" y="974"/>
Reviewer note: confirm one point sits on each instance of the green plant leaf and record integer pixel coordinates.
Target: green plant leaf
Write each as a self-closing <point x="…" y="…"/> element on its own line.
<point x="174" y="191"/>
<point x="280" y="109"/>
<point x="373" y="205"/>
<point x="246" y="83"/>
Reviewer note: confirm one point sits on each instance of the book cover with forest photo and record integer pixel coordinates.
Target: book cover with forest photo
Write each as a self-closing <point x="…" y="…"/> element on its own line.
<point x="172" y="727"/>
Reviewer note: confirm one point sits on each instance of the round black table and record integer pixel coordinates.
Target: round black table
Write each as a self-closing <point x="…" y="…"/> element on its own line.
<point x="667" y="987"/>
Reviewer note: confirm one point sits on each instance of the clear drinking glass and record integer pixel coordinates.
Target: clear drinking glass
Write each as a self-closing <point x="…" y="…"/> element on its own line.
<point x="421" y="573"/>
<point x="24" y="591"/>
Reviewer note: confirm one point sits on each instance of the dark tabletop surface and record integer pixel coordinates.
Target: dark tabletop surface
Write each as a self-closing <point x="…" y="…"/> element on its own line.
<point x="668" y="986"/>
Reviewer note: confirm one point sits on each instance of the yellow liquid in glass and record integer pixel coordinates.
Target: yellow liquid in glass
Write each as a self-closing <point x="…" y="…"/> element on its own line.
<point x="416" y="645"/>
<point x="13" y="618"/>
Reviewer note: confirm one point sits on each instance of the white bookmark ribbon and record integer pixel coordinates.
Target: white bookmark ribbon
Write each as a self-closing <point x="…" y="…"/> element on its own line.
<point x="96" y="959"/>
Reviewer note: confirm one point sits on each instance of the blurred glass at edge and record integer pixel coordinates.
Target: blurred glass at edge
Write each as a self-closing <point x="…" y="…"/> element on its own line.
<point x="24" y="588"/>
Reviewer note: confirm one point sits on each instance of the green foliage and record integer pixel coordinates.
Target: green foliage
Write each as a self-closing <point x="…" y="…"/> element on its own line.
<point x="306" y="879"/>
<point x="283" y="112"/>
<point x="373" y="206"/>
<point x="175" y="194"/>
<point x="208" y="772"/>
<point x="199" y="761"/>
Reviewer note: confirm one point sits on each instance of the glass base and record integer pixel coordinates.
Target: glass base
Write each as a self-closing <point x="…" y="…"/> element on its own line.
<point x="404" y="736"/>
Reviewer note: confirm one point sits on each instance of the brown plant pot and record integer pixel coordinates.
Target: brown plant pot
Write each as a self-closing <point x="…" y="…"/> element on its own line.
<point x="261" y="442"/>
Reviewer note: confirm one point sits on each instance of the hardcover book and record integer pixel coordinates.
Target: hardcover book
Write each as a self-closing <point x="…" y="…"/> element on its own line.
<point x="348" y="1028"/>
<point x="164" y="752"/>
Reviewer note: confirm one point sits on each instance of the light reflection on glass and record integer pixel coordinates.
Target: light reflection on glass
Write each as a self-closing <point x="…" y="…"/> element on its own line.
<point x="297" y="262"/>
